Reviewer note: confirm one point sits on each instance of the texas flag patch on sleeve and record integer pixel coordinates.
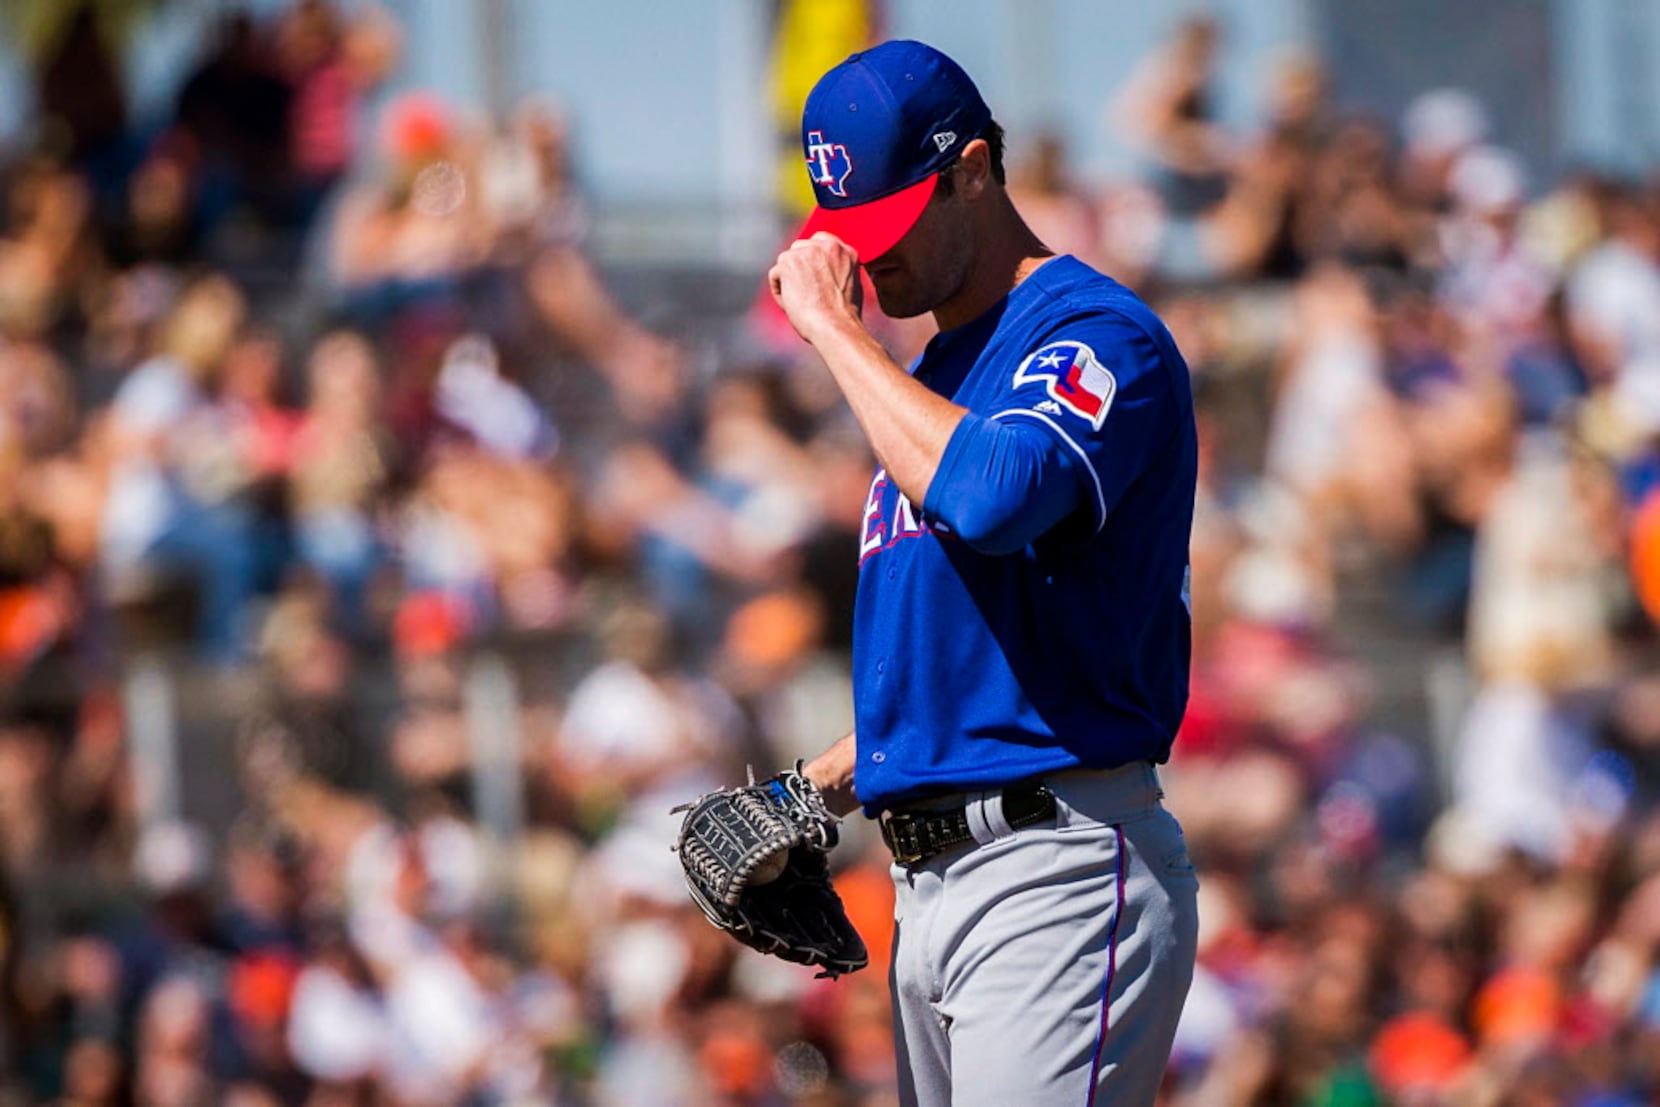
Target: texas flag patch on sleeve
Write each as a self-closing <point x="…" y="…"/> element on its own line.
<point x="1075" y="378"/>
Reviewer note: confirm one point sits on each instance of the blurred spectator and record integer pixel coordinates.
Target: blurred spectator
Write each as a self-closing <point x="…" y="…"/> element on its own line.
<point x="235" y="107"/>
<point x="79" y="89"/>
<point x="1437" y="127"/>
<point x="329" y="59"/>
<point x="168" y="509"/>
<point x="638" y="732"/>
<point x="528" y="190"/>
<point x="342" y="460"/>
<point x="414" y="233"/>
<point x="1050" y="202"/>
<point x="1615" y="290"/>
<point x="159" y="219"/>
<point x="1169" y="108"/>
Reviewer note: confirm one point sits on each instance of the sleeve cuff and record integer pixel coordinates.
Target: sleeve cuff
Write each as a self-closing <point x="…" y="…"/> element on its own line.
<point x="950" y="462"/>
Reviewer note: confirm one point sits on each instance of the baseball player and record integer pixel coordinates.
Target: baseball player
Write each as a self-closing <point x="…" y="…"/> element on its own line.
<point x="1021" y="633"/>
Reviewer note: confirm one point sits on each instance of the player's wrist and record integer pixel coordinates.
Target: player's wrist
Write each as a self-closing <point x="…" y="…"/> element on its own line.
<point x="832" y="327"/>
<point x="831" y="772"/>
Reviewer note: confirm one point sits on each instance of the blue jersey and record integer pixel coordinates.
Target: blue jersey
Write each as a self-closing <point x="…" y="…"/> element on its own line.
<point x="972" y="669"/>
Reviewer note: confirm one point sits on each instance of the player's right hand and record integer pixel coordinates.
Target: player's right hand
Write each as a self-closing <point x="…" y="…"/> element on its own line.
<point x="816" y="282"/>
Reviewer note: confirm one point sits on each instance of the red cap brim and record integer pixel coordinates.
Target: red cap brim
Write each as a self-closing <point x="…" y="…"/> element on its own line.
<point x="875" y="228"/>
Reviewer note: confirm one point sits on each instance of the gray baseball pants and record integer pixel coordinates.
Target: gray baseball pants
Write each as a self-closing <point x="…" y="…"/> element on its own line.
<point x="1049" y="964"/>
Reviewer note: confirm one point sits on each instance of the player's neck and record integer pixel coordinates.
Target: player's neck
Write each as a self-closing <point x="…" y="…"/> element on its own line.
<point x="1010" y="253"/>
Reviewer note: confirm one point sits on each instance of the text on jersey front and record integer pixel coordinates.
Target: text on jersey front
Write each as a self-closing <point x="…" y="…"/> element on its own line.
<point x="886" y="523"/>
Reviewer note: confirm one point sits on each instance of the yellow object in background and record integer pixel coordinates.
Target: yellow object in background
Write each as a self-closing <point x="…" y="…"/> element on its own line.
<point x="809" y="38"/>
<point x="36" y="27"/>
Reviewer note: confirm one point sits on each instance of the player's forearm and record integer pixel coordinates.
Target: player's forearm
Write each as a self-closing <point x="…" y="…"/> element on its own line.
<point x="907" y="425"/>
<point x="832" y="773"/>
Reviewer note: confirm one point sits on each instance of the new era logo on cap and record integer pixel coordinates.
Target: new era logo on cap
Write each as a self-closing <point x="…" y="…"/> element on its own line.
<point x="899" y="112"/>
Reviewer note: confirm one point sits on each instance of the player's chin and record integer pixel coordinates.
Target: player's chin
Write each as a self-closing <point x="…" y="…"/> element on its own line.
<point x="898" y="301"/>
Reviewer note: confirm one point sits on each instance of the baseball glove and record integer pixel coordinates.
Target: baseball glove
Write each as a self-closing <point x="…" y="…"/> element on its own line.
<point x="755" y="863"/>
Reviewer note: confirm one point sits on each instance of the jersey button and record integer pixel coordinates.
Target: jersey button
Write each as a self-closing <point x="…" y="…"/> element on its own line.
<point x="878" y="757"/>
<point x="892" y="572"/>
<point x="881" y="666"/>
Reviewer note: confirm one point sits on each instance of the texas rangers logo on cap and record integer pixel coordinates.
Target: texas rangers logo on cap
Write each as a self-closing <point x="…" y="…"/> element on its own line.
<point x="828" y="163"/>
<point x="1076" y="379"/>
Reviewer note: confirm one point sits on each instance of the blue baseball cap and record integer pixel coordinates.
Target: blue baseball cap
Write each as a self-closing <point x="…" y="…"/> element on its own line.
<point x="877" y="131"/>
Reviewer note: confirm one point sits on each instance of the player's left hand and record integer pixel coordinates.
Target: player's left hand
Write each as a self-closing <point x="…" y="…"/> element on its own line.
<point x="754" y="859"/>
<point x="816" y="282"/>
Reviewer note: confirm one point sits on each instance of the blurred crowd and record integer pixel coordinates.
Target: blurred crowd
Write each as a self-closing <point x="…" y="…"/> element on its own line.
<point x="456" y="575"/>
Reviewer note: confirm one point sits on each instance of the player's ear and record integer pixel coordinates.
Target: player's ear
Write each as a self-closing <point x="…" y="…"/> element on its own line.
<point x="973" y="169"/>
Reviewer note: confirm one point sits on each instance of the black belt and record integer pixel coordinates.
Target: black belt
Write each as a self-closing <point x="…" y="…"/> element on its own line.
<point x="917" y="834"/>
